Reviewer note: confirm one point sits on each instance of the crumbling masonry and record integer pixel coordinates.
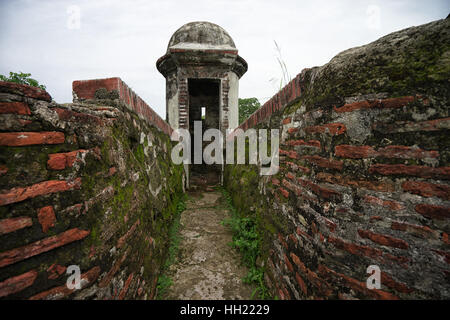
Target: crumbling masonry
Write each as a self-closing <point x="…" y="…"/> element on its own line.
<point x="363" y="180"/>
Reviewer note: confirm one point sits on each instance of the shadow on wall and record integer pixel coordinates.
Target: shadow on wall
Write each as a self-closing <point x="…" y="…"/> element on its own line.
<point x="88" y="184"/>
<point x="364" y="170"/>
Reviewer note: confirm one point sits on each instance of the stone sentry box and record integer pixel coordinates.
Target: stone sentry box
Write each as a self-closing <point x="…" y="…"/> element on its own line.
<point x="202" y="70"/>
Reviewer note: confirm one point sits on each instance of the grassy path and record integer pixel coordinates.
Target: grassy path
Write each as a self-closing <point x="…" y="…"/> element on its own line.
<point x="206" y="266"/>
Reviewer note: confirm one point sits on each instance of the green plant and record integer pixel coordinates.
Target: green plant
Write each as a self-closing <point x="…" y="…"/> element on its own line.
<point x="164" y="281"/>
<point x="246" y="239"/>
<point x="22" y="78"/>
<point x="174" y="237"/>
<point x="256" y="276"/>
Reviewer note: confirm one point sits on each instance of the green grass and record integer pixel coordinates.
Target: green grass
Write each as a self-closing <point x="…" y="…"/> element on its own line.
<point x="164" y="281"/>
<point x="246" y="240"/>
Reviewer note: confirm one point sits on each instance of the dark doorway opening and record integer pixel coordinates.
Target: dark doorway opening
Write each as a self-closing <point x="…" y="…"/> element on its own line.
<point x="204" y="106"/>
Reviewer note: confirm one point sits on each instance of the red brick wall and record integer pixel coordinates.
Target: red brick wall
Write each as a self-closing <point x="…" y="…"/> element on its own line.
<point x="85" y="89"/>
<point x="74" y="190"/>
<point x="289" y="94"/>
<point x="379" y="203"/>
<point x="364" y="178"/>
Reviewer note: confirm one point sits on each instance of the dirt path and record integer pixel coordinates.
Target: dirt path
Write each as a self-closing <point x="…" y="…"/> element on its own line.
<point x="207" y="267"/>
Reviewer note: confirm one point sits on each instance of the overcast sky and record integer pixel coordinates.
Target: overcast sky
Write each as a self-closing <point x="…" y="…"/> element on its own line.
<point x="125" y="38"/>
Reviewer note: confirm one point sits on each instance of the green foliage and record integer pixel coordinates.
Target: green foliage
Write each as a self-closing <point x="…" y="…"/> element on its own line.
<point x="174" y="237"/>
<point x="164" y="281"/>
<point x="22" y="78"/>
<point x="247" y="107"/>
<point x="256" y="276"/>
<point x="139" y="153"/>
<point x="246" y="239"/>
<point x="102" y="93"/>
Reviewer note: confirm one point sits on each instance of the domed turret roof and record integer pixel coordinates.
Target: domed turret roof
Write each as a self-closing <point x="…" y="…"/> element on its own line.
<point x="201" y="35"/>
<point x="200" y="44"/>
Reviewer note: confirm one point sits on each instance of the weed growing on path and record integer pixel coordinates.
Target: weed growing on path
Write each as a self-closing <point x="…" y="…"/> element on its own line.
<point x="164" y="281"/>
<point x="246" y="239"/>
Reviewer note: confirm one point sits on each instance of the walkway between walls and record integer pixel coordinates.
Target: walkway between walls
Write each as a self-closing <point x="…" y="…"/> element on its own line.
<point x="207" y="267"/>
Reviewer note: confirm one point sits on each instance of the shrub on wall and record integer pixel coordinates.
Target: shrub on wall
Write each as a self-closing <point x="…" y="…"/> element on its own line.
<point x="22" y="78"/>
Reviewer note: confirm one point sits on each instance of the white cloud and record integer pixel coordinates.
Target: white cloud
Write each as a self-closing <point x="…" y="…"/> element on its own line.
<point x="125" y="38"/>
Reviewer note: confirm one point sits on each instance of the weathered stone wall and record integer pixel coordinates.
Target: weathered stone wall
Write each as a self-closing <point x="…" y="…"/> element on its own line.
<point x="88" y="184"/>
<point x="364" y="170"/>
<point x="115" y="88"/>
